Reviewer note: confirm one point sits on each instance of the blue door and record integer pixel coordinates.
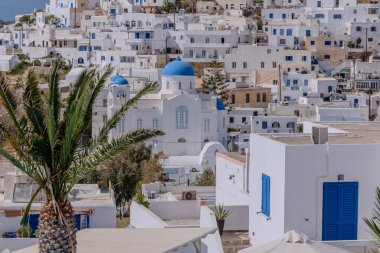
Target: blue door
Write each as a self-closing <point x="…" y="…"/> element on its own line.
<point x="340" y="211"/>
<point x="33" y="223"/>
<point x="329" y="89"/>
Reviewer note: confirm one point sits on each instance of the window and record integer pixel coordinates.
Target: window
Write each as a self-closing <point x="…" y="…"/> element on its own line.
<point x="370" y="39"/>
<point x="275" y="124"/>
<point x="264" y="125"/>
<point x="191" y="40"/>
<point x="180" y="86"/>
<point x="102" y="58"/>
<point x="269" y="51"/>
<point x="234" y="65"/>
<point x="308" y="33"/>
<point x="233" y="99"/>
<point x="270" y="15"/>
<point x="305" y="82"/>
<point x="312" y="42"/>
<point x="289" y="58"/>
<point x="326" y="57"/>
<point x="245" y="65"/>
<point x="304" y="58"/>
<point x="258" y="97"/>
<point x="282" y="32"/>
<point x="203" y="53"/>
<point x="265" y="195"/>
<point x="147" y="36"/>
<point x="284" y="16"/>
<point x="262" y="64"/>
<point x="191" y="53"/>
<point x="288" y="82"/>
<point x="182" y="140"/>
<point x="289" y="32"/>
<point x="264" y="97"/>
<point x="207" y="40"/>
<point x="243" y="119"/>
<point x="328" y="43"/>
<point x="295" y="82"/>
<point x="282" y="41"/>
<point x="232" y="119"/>
<point x="274" y="64"/>
<point x="337" y="16"/>
<point x="274" y="31"/>
<point x="137" y="35"/>
<point x="181" y="117"/>
<point x="319" y="4"/>
<point x="93" y="36"/>
<point x="358" y="28"/>
<point x="155" y="123"/>
<point x="373" y="28"/>
<point x="206" y="125"/>
<point x="319" y="15"/>
<point x="80" y="61"/>
<point x="247" y="98"/>
<point x="139" y="123"/>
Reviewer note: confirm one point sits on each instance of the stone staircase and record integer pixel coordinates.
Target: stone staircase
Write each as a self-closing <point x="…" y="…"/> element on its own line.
<point x="233" y="241"/>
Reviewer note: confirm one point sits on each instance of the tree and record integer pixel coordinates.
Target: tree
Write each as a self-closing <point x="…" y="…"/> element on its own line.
<point x="124" y="173"/>
<point x="194" y="6"/>
<point x="172" y="8"/>
<point x="152" y="169"/>
<point x="214" y="80"/>
<point x="206" y="179"/>
<point x="374" y="223"/>
<point x="48" y="140"/>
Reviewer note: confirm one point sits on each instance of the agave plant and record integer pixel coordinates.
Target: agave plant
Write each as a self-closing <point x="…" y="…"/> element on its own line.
<point x="374" y="223"/>
<point x="50" y="141"/>
<point x="220" y="212"/>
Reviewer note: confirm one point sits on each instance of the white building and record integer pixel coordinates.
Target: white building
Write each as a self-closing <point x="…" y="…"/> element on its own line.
<point x="324" y="190"/>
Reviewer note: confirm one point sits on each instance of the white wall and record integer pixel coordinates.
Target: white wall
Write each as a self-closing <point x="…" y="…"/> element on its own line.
<point x="208" y="220"/>
<point x="141" y="217"/>
<point x="9" y="224"/>
<point x="238" y="219"/>
<point x="267" y="156"/>
<point x="14" y="244"/>
<point x="169" y="210"/>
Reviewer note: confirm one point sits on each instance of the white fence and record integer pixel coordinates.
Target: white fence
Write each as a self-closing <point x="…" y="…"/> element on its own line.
<point x="358" y="246"/>
<point x="212" y="242"/>
<point x="13" y="244"/>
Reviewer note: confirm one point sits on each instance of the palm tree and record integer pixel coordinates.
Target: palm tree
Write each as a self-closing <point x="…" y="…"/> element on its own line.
<point x="374" y="223"/>
<point x="50" y="141"/>
<point x="169" y="7"/>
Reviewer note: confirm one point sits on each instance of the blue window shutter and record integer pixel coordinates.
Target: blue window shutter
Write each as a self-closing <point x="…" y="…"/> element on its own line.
<point x="137" y="35"/>
<point x="93" y="36"/>
<point x="88" y="221"/>
<point x="78" y="221"/>
<point x="308" y="33"/>
<point x="265" y="195"/>
<point x="270" y="15"/>
<point x="349" y="211"/>
<point x="330" y="211"/>
<point x="264" y="125"/>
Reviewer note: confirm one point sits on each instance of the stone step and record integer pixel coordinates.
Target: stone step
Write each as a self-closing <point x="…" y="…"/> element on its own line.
<point x="234" y="248"/>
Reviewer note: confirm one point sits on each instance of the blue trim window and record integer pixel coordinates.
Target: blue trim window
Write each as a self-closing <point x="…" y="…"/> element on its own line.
<point x="289" y="58"/>
<point x="270" y="15"/>
<point x="288" y="82"/>
<point x="305" y="82"/>
<point x="274" y="31"/>
<point x="82" y="48"/>
<point x="282" y="32"/>
<point x="295" y="82"/>
<point x="112" y="12"/>
<point x="284" y="16"/>
<point x="16" y="35"/>
<point x="111" y="58"/>
<point x="93" y="36"/>
<point x="312" y="42"/>
<point x="289" y="32"/>
<point x="264" y="125"/>
<point x="137" y="35"/>
<point x="319" y="4"/>
<point x="304" y="58"/>
<point x="308" y="33"/>
<point x="103" y="58"/>
<point x="327" y="43"/>
<point x="265" y="195"/>
<point x="147" y="36"/>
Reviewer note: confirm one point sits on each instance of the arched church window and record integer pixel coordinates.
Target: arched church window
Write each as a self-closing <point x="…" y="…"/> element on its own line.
<point x="182" y="140"/>
<point x="181" y="117"/>
<point x="275" y="125"/>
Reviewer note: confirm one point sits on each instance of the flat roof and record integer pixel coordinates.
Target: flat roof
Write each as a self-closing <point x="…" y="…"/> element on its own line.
<point x="143" y="240"/>
<point x="355" y="133"/>
<point x="236" y="155"/>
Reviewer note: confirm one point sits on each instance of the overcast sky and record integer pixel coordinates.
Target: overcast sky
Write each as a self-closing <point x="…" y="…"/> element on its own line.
<point x="9" y="8"/>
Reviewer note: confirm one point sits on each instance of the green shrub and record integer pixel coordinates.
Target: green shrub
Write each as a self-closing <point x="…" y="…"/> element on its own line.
<point x="37" y="63"/>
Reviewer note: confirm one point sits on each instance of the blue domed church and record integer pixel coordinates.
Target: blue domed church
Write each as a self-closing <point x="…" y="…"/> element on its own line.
<point x="195" y="124"/>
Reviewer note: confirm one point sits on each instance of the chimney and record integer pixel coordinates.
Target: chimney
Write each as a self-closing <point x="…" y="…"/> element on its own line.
<point x="319" y="135"/>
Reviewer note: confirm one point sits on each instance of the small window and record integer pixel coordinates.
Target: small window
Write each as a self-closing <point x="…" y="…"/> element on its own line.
<point x="262" y="64"/>
<point x="274" y="64"/>
<point x="270" y="15"/>
<point x="191" y="40"/>
<point x="243" y="119"/>
<point x="258" y="97"/>
<point x="247" y="98"/>
<point x="139" y="123"/>
<point x="275" y="124"/>
<point x="264" y="125"/>
<point x="373" y="28"/>
<point x="234" y="65"/>
<point x="233" y="99"/>
<point x="274" y="31"/>
<point x="326" y="57"/>
<point x="264" y="97"/>
<point x="358" y="28"/>
<point x="289" y="32"/>
<point x="265" y="195"/>
<point x="328" y="43"/>
<point x="182" y="140"/>
<point x="304" y="58"/>
<point x="232" y="119"/>
<point x="289" y="58"/>
<point x="245" y="65"/>
<point x="207" y="40"/>
<point x="312" y="42"/>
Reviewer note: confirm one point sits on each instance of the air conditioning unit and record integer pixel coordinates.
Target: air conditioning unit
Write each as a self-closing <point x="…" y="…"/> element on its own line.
<point x="319" y="135"/>
<point x="189" y="195"/>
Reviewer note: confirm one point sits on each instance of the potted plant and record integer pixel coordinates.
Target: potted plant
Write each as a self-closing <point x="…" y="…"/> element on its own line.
<point x="221" y="214"/>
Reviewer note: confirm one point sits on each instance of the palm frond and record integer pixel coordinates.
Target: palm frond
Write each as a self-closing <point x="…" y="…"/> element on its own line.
<point x="111" y="123"/>
<point x="374" y="222"/>
<point x="24" y="220"/>
<point x="54" y="101"/>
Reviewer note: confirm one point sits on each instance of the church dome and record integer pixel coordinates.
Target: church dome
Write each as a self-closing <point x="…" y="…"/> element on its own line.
<point x="178" y="68"/>
<point x="120" y="81"/>
<point x="115" y="77"/>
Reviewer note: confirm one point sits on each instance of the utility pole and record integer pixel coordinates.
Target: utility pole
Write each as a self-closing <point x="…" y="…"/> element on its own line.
<point x="89" y="49"/>
<point x="166" y="49"/>
<point x="75" y="14"/>
<point x="369" y="104"/>
<point x="366" y="43"/>
<point x="279" y="83"/>
<point x="354" y="76"/>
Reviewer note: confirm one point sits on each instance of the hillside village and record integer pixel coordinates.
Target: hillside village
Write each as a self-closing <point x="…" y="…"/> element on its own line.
<point x="214" y="126"/>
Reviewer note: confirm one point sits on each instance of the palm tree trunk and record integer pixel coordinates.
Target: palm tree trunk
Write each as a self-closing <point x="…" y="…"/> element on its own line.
<point x="54" y="234"/>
